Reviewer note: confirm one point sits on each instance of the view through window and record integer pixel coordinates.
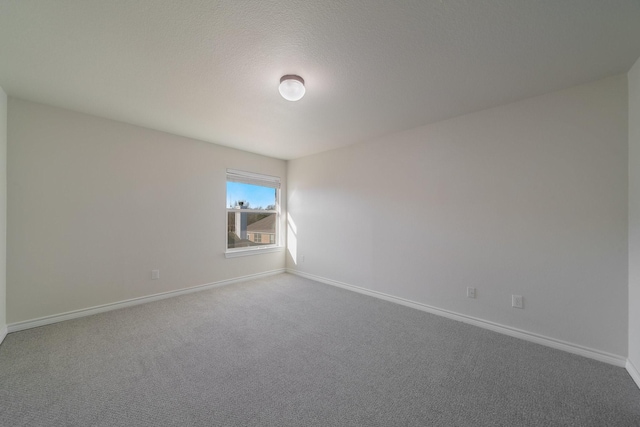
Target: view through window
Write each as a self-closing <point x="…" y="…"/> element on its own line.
<point x="252" y="210"/>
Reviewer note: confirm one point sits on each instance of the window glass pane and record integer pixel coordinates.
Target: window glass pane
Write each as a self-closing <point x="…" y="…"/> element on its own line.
<point x="249" y="196"/>
<point x="250" y="229"/>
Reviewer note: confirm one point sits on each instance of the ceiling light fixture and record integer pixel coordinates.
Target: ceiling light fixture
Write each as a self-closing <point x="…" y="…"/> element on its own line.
<point x="291" y="87"/>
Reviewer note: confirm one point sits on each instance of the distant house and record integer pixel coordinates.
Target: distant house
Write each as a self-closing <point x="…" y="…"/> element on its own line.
<point x="247" y="228"/>
<point x="263" y="231"/>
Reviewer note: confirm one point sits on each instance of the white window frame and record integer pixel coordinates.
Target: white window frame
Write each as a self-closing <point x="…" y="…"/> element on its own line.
<point x="244" y="177"/>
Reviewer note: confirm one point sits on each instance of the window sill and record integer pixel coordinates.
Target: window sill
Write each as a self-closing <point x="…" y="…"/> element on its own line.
<point x="253" y="251"/>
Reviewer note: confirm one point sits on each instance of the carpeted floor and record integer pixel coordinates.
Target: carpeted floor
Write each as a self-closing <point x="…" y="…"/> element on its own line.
<point x="286" y="351"/>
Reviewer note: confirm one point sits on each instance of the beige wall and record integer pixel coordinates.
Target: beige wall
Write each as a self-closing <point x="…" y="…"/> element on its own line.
<point x="3" y="213"/>
<point x="94" y="205"/>
<point x="634" y="217"/>
<point x="528" y="198"/>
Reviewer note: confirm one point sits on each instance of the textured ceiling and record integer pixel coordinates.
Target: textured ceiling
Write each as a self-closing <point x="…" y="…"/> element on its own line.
<point x="210" y="69"/>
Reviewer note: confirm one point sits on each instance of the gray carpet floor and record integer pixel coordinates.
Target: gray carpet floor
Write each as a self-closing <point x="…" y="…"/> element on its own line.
<point x="286" y="351"/>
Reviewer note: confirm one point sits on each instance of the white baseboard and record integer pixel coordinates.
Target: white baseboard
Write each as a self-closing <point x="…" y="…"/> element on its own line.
<point x="496" y="327"/>
<point x="3" y="333"/>
<point x="633" y="371"/>
<point x="34" y="323"/>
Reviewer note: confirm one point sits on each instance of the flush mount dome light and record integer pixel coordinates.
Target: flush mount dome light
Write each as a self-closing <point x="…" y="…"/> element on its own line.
<point x="291" y="87"/>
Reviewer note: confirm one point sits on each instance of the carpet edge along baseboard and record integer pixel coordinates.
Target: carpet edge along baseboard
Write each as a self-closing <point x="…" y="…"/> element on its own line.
<point x="61" y="317"/>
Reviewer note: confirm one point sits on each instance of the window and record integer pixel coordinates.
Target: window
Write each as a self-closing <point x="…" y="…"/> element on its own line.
<point x="253" y="211"/>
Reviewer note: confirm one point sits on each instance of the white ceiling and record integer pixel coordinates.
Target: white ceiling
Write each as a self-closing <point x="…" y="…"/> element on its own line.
<point x="210" y="69"/>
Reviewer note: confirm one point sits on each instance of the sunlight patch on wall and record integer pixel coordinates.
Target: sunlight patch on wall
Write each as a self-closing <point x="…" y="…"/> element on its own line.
<point x="292" y="241"/>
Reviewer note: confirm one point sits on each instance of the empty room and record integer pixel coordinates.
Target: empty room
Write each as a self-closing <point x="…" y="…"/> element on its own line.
<point x="332" y="213"/>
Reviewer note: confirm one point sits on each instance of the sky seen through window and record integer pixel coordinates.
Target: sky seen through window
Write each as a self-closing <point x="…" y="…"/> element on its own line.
<point x="256" y="195"/>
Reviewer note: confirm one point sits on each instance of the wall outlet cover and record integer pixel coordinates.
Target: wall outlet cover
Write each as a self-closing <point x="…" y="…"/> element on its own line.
<point x="517" y="301"/>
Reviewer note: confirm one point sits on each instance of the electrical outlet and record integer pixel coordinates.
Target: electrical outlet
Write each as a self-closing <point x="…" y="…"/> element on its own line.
<point x="516" y="301"/>
<point x="155" y="274"/>
<point x="471" y="292"/>
<point x="303" y="259"/>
